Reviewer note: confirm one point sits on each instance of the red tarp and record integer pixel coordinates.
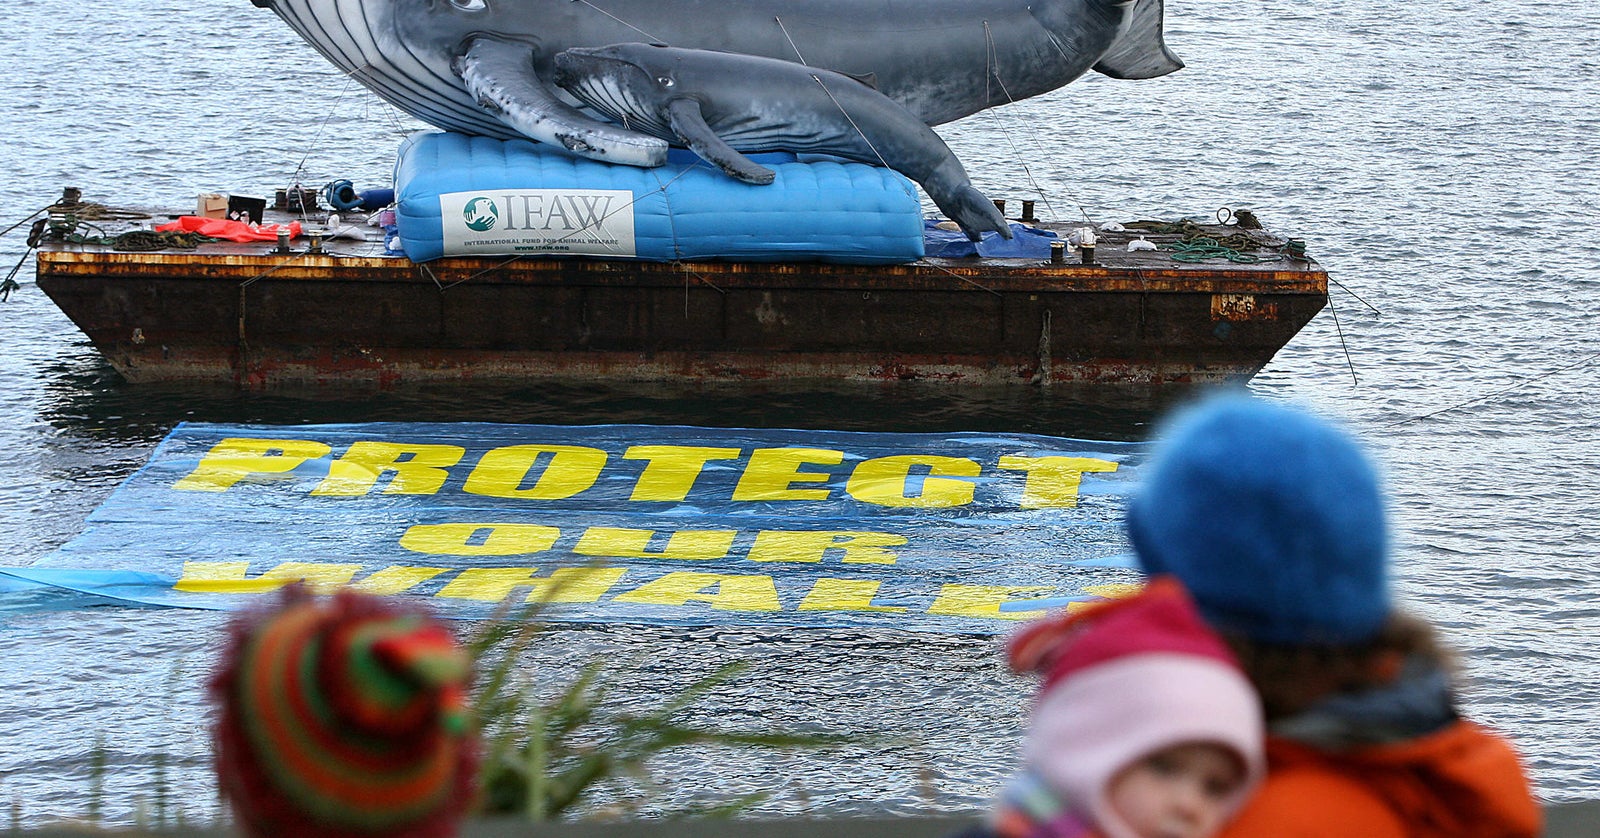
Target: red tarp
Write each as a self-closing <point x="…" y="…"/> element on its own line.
<point x="222" y="228"/>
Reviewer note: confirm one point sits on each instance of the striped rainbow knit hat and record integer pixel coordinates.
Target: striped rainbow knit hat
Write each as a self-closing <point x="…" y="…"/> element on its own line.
<point x="344" y="716"/>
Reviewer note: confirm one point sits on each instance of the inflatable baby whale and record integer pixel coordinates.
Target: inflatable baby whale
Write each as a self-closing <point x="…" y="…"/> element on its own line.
<point x="487" y="66"/>
<point x="720" y="104"/>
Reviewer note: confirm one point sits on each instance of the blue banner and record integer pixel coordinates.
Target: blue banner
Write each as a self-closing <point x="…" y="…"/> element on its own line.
<point x="965" y="532"/>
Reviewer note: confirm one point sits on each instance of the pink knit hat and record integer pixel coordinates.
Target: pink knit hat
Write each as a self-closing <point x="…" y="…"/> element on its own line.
<point x="1124" y="680"/>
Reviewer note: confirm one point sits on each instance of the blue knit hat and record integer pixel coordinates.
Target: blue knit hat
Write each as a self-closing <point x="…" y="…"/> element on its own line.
<point x="1272" y="518"/>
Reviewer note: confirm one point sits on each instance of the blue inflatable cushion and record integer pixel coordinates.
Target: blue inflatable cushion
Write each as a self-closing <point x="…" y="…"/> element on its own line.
<point x="816" y="208"/>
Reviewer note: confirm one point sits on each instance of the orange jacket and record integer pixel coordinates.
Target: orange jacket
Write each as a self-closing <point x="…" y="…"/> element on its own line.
<point x="1463" y="781"/>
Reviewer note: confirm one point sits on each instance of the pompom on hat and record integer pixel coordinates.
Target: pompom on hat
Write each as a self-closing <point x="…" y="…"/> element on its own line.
<point x="344" y="716"/>
<point x="1272" y="518"/>
<point x="1124" y="680"/>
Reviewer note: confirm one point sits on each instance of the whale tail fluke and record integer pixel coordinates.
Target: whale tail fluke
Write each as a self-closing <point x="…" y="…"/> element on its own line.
<point x="1140" y="52"/>
<point x="974" y="213"/>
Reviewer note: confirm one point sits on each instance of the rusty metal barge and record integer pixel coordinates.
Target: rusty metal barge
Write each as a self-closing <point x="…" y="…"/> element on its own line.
<point x="339" y="311"/>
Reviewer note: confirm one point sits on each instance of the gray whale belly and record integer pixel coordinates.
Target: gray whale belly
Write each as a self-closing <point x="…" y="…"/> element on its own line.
<point x="483" y="66"/>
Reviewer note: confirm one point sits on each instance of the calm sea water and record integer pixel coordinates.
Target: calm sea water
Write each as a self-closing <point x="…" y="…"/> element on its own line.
<point x="1437" y="156"/>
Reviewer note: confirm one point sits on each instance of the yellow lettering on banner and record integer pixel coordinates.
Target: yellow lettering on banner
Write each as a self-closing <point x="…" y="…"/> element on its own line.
<point x="1052" y="481"/>
<point x="357" y="470"/>
<point x="213" y="577"/>
<point x="567" y="584"/>
<point x="725" y="592"/>
<point x="884" y="480"/>
<point x="635" y="544"/>
<point x="479" y="539"/>
<point x="983" y="601"/>
<point x="800" y="546"/>
<point x="396" y="579"/>
<point x="1114" y="590"/>
<point x="672" y="469"/>
<point x="231" y="460"/>
<point x="570" y="470"/>
<point x="845" y="595"/>
<point x="229" y="577"/>
<point x="771" y="471"/>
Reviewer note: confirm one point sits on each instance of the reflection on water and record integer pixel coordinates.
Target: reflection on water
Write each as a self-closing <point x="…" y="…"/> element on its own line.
<point x="84" y="396"/>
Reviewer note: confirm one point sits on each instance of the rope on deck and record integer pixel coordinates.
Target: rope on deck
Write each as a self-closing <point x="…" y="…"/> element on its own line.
<point x="1197" y="244"/>
<point x="1233" y="248"/>
<point x="90" y="211"/>
<point x="142" y="241"/>
<point x="71" y="223"/>
<point x="71" y="220"/>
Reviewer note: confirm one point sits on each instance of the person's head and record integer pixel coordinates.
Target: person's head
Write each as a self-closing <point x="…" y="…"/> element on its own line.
<point x="1144" y="724"/>
<point x="1272" y="518"/>
<point x="1275" y="521"/>
<point x="346" y="716"/>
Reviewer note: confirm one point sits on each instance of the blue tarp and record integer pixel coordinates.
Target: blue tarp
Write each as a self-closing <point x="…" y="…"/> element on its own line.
<point x="1025" y="243"/>
<point x="619" y="523"/>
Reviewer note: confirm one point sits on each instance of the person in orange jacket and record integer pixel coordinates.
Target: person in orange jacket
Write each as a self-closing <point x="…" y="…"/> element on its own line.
<point x="1275" y="522"/>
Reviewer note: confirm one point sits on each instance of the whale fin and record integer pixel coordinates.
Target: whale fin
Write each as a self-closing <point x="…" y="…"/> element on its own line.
<point x="868" y="79"/>
<point x="974" y="213"/>
<point x="500" y="75"/>
<point x="1140" y="52"/>
<point x="690" y="126"/>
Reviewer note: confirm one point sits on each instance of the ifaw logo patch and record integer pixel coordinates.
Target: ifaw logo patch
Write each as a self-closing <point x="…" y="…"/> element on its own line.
<point x="481" y="214"/>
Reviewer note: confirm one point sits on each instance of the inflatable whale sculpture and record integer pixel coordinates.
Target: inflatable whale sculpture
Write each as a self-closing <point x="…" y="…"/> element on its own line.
<point x="485" y="66"/>
<point x="720" y="104"/>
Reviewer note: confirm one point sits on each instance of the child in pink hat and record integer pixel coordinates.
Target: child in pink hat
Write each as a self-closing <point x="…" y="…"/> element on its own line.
<point x="1144" y="726"/>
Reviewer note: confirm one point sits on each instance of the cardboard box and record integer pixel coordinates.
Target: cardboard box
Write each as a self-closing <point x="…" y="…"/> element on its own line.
<point x="211" y="205"/>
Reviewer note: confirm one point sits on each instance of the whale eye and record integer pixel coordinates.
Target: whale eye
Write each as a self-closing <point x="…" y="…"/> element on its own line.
<point x="470" y="5"/>
<point x="664" y="81"/>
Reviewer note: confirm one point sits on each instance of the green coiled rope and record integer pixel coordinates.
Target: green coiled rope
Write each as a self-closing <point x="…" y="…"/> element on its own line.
<point x="1203" y="248"/>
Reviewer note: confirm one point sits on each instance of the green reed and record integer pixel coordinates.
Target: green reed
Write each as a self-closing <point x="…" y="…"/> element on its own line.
<point x="544" y="759"/>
